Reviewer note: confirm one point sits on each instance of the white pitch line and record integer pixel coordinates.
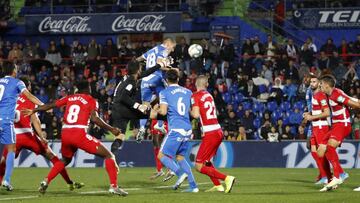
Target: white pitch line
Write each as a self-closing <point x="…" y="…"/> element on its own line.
<point x="133" y="189"/>
<point x="98" y="192"/>
<point x="18" y="198"/>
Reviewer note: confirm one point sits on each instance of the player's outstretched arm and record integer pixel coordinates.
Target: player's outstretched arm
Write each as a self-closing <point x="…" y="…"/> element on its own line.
<point x="101" y="123"/>
<point x="353" y="103"/>
<point x="140" y="58"/>
<point x="32" y="98"/>
<point x="45" y="107"/>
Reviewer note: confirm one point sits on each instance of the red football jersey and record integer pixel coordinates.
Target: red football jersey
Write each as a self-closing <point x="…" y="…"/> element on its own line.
<point x="206" y="104"/>
<point x="22" y="121"/>
<point x="319" y="102"/>
<point x="338" y="101"/>
<point x="78" y="108"/>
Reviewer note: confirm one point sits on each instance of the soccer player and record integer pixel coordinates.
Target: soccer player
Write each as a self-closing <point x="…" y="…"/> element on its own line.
<point x="35" y="142"/>
<point x="154" y="83"/>
<point x="10" y="88"/>
<point x="80" y="108"/>
<point x="340" y="128"/>
<point x="125" y="106"/>
<point x="175" y="102"/>
<point x="320" y="112"/>
<point x="157" y="137"/>
<point x="203" y="107"/>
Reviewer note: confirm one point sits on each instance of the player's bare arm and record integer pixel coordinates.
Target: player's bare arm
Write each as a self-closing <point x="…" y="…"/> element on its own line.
<point x="353" y="103"/>
<point x="325" y="113"/>
<point x="195" y="112"/>
<point x="32" y="98"/>
<point x="140" y="58"/>
<point x="101" y="123"/>
<point x="35" y="121"/>
<point x="45" y="107"/>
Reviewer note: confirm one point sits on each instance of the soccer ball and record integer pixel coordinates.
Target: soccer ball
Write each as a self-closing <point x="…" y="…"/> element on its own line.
<point x="195" y="51"/>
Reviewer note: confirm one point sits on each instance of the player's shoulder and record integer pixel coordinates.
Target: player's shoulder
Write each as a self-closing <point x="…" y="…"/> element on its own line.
<point x="320" y="95"/>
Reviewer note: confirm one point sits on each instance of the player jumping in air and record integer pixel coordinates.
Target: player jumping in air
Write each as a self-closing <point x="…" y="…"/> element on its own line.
<point x="203" y="107"/>
<point x="319" y="115"/>
<point x="175" y="102"/>
<point x="35" y="142"/>
<point x="341" y="125"/>
<point x="10" y="88"/>
<point x="80" y="108"/>
<point x="154" y="83"/>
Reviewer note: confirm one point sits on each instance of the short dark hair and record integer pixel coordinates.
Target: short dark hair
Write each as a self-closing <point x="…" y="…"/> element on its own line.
<point x="328" y="79"/>
<point x="133" y="67"/>
<point x="83" y="86"/>
<point x="312" y="75"/>
<point x="26" y="80"/>
<point x="8" y="68"/>
<point x="172" y="75"/>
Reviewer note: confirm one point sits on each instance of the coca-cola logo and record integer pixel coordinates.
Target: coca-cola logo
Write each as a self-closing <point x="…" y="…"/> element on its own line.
<point x="147" y="23"/>
<point x="74" y="24"/>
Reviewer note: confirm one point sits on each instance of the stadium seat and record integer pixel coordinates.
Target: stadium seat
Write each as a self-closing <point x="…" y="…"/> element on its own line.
<point x="299" y="105"/>
<point x="233" y="89"/>
<point x="257" y="122"/>
<point x="285" y="106"/>
<point x="272" y="106"/>
<point x="239" y="97"/>
<point x="276" y="115"/>
<point x="226" y="97"/>
<point x="262" y="89"/>
<point x="258" y="107"/>
<point x="247" y="105"/>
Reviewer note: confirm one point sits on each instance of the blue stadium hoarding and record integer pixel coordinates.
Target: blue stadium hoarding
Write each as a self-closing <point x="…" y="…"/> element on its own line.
<point x="334" y="18"/>
<point x="103" y="23"/>
<point x="287" y="154"/>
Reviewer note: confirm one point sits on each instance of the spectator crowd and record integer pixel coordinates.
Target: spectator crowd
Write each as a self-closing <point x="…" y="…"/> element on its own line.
<point x="259" y="93"/>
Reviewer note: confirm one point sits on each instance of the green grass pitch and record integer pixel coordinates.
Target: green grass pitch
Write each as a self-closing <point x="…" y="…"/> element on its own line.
<point x="253" y="185"/>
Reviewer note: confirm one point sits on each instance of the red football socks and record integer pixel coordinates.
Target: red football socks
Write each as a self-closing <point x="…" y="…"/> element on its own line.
<point x="111" y="169"/>
<point x="333" y="158"/>
<point x="159" y="165"/>
<point x="2" y="170"/>
<point x="55" y="170"/>
<point x="63" y="173"/>
<point x="212" y="172"/>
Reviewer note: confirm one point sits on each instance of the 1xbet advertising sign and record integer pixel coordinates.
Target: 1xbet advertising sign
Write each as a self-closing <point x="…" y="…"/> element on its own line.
<point x="103" y="23"/>
<point x="230" y="154"/>
<point x="327" y="18"/>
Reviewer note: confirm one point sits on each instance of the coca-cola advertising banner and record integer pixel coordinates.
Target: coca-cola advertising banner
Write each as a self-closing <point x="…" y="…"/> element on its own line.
<point x="103" y="23"/>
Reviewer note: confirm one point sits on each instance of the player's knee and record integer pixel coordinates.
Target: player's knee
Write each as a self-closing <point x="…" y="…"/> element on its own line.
<point x="313" y="148"/>
<point x="179" y="158"/>
<point x="11" y="147"/>
<point x="198" y="166"/>
<point x="333" y="143"/>
<point x="160" y="155"/>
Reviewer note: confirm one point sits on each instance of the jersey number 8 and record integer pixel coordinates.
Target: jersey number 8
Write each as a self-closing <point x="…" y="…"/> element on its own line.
<point x="73" y="114"/>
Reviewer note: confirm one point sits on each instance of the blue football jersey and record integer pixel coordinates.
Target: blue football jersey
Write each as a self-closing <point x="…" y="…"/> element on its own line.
<point x="10" y="88"/>
<point x="178" y="100"/>
<point x="308" y="98"/>
<point x="153" y="54"/>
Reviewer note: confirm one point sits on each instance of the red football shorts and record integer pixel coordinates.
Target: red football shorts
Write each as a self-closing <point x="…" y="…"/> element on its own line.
<point x="209" y="146"/>
<point x="28" y="141"/>
<point x="77" y="138"/>
<point x="339" y="131"/>
<point x="319" y="135"/>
